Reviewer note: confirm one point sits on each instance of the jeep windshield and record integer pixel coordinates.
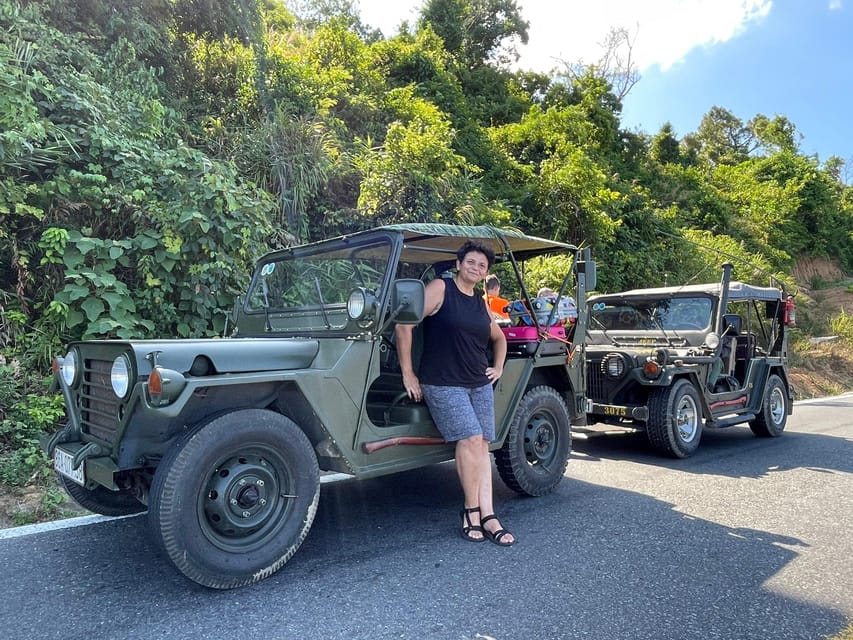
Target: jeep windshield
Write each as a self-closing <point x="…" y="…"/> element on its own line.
<point x="668" y="320"/>
<point x="307" y="288"/>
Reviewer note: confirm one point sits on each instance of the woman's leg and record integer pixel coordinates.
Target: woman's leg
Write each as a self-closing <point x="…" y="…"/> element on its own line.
<point x="469" y="469"/>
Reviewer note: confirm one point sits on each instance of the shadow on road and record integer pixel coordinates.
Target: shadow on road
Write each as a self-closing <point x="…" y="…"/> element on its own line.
<point x="732" y="452"/>
<point x="384" y="560"/>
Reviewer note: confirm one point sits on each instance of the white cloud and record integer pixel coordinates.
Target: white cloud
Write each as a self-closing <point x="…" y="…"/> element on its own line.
<point x="665" y="30"/>
<point x="834" y="4"/>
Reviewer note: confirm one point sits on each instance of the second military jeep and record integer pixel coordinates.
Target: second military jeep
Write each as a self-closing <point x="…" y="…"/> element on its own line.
<point x="673" y="361"/>
<point x="223" y="441"/>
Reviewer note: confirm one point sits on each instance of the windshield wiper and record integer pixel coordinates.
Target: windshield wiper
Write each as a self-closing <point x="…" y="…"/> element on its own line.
<point x="604" y="330"/>
<point x="654" y="318"/>
<point x="266" y="292"/>
<point x="322" y="303"/>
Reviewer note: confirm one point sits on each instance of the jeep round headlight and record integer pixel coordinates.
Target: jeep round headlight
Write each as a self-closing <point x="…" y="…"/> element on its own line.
<point x="712" y="340"/>
<point x="68" y="368"/>
<point x="120" y="376"/>
<point x="356" y="303"/>
<point x="613" y="365"/>
<point x="361" y="304"/>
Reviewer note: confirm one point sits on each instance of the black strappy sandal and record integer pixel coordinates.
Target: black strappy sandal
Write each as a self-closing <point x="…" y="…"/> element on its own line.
<point x="495" y="536"/>
<point x="465" y="531"/>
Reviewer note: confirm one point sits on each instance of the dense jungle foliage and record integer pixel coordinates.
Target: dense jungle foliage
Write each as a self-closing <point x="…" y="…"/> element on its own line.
<point x="151" y="149"/>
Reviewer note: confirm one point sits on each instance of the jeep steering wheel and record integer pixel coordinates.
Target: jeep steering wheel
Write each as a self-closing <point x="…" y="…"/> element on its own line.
<point x="400" y="397"/>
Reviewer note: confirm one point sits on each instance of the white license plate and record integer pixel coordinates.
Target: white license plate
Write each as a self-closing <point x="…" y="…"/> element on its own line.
<point x="62" y="463"/>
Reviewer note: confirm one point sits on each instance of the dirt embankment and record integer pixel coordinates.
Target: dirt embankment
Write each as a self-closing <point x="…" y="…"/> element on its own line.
<point x="821" y="364"/>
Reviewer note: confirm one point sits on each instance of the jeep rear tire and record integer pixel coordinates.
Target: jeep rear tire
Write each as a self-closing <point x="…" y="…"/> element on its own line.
<point x="674" y="426"/>
<point x="232" y="502"/>
<point x="102" y="500"/>
<point x="770" y="422"/>
<point x="534" y="456"/>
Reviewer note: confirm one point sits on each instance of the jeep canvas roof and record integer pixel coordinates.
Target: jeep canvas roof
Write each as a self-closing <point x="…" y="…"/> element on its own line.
<point x="737" y="291"/>
<point x="442" y="241"/>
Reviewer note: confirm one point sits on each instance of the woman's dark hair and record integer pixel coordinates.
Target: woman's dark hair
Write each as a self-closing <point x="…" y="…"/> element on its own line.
<point x="479" y="247"/>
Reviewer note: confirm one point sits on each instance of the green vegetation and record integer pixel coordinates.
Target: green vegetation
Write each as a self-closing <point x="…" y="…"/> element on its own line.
<point x="151" y="149"/>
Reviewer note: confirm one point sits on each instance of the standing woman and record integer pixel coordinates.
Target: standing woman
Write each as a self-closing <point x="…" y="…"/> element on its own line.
<point x="456" y="381"/>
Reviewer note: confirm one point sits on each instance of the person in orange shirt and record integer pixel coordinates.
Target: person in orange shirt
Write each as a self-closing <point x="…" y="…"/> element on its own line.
<point x="494" y="302"/>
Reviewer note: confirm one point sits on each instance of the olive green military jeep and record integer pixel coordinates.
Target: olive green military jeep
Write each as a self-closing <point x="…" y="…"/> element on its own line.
<point x="673" y="361"/>
<point x="223" y="441"/>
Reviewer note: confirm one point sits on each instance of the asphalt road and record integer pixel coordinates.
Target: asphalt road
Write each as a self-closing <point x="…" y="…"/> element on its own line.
<point x="748" y="539"/>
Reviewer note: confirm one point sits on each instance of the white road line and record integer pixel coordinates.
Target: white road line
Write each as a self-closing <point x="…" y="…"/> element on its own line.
<point x="68" y="523"/>
<point x="82" y="521"/>
<point x="846" y="396"/>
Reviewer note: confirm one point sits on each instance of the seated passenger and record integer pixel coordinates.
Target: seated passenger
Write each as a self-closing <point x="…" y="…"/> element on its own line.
<point x="494" y="302"/>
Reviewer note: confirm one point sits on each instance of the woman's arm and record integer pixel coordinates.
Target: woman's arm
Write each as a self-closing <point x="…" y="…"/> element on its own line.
<point x="498" y="338"/>
<point x="434" y="297"/>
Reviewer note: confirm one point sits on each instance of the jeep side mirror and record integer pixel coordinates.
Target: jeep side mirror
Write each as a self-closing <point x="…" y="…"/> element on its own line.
<point x="587" y="267"/>
<point x="407" y="301"/>
<point x="732" y="324"/>
<point x="233" y="316"/>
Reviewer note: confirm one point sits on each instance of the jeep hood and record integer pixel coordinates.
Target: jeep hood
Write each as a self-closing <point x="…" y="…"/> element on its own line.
<point x="228" y="355"/>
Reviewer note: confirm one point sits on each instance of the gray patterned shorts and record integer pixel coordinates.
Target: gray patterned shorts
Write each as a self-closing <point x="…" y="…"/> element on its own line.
<point x="461" y="413"/>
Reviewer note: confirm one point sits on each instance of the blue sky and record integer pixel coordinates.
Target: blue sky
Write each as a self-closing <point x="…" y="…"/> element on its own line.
<point x="786" y="57"/>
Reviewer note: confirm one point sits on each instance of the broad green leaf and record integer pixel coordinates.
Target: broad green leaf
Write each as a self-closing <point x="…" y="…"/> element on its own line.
<point x="146" y="242"/>
<point x="75" y="292"/>
<point x="113" y="299"/>
<point x="93" y="308"/>
<point x="73" y="319"/>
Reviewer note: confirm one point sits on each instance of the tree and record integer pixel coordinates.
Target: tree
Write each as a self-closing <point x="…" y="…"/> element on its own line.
<point x="778" y="134"/>
<point x="723" y="138"/>
<point x="665" y="147"/>
<point x="616" y="65"/>
<point x="477" y="32"/>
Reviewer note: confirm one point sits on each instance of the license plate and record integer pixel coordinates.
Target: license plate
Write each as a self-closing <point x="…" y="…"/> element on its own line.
<point x="62" y="463"/>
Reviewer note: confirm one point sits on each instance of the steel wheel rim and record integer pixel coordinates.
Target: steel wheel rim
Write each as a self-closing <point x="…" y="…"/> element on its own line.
<point x="540" y="441"/>
<point x="245" y="500"/>
<point x="687" y="419"/>
<point x="776" y="405"/>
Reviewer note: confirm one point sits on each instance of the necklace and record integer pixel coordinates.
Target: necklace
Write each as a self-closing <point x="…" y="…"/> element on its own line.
<point x="464" y="290"/>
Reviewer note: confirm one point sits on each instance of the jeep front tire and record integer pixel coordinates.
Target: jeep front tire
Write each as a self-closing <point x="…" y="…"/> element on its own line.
<point x="232" y="502"/>
<point x="534" y="456"/>
<point x="674" y="426"/>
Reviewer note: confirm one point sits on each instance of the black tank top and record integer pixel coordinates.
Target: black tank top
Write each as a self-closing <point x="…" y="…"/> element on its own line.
<point x="455" y="341"/>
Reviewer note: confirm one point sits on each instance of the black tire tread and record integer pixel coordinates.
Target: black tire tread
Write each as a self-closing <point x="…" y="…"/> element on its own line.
<point x="165" y="486"/>
<point x="660" y="424"/>
<point x="510" y="460"/>
<point x="763" y="426"/>
<point x="102" y="500"/>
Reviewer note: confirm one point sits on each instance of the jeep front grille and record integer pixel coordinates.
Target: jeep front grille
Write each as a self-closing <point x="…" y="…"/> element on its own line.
<point x="596" y="381"/>
<point x="99" y="404"/>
